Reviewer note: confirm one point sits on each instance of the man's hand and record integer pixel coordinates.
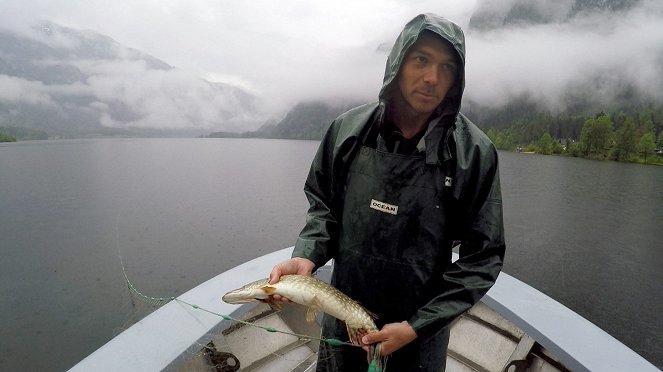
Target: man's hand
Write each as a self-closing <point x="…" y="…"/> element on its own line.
<point x="296" y="266"/>
<point x="393" y="337"/>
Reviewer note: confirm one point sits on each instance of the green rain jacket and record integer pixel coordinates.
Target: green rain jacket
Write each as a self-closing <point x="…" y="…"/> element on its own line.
<point x="474" y="197"/>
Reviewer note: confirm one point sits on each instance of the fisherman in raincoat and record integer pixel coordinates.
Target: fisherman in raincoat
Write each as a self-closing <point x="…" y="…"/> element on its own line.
<point x="394" y="185"/>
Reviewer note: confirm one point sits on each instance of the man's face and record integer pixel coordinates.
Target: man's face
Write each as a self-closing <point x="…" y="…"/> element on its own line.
<point x="426" y="75"/>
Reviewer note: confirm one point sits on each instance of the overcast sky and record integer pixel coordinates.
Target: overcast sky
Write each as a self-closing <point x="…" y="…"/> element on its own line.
<point x="288" y="51"/>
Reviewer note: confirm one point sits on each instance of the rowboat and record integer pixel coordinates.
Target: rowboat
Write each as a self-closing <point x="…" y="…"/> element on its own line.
<point x="513" y="328"/>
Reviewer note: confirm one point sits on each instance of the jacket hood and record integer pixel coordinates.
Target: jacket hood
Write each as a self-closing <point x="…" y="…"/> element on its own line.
<point x="448" y="31"/>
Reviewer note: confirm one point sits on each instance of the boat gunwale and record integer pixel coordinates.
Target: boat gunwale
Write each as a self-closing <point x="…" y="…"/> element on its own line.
<point x="157" y="342"/>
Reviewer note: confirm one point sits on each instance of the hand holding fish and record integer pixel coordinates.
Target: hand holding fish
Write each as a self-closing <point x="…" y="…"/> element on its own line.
<point x="293" y="266"/>
<point x="393" y="336"/>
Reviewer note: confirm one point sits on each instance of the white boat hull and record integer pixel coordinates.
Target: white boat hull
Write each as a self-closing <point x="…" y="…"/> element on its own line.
<point x="512" y="321"/>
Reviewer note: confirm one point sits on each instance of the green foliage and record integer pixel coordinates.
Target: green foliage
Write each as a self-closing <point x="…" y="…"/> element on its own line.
<point x="626" y="140"/>
<point x="502" y="139"/>
<point x="531" y="148"/>
<point x="505" y="141"/>
<point x="521" y="125"/>
<point x="558" y="148"/>
<point x="4" y="137"/>
<point x="596" y="136"/>
<point x="647" y="145"/>
<point x="574" y="149"/>
<point x="492" y="135"/>
<point x="527" y="120"/>
<point x="546" y="144"/>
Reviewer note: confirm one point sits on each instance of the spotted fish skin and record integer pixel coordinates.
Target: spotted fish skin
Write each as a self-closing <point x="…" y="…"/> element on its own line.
<point x="313" y="293"/>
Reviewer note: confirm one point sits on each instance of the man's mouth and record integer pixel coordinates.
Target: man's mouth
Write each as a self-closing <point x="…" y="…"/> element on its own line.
<point x="426" y="95"/>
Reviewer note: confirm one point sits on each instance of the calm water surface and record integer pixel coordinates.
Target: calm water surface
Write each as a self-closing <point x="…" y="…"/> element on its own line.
<point x="180" y="211"/>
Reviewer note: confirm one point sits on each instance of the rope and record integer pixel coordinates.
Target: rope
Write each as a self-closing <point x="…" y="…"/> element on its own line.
<point x="374" y="366"/>
<point x="330" y="341"/>
<point x="163" y="300"/>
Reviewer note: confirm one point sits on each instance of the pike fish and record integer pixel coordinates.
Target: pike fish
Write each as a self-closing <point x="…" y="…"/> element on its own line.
<point x="316" y="295"/>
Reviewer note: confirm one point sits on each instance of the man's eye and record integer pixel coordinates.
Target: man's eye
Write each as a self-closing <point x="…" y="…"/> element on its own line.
<point x="451" y="67"/>
<point x="420" y="60"/>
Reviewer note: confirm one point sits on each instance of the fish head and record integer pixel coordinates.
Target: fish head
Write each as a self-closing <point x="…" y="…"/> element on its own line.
<point x="251" y="292"/>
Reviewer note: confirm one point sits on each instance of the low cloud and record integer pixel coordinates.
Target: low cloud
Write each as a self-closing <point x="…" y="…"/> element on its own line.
<point x="284" y="53"/>
<point x="16" y="90"/>
<point x="116" y="87"/>
<point x="167" y="99"/>
<point x="599" y="50"/>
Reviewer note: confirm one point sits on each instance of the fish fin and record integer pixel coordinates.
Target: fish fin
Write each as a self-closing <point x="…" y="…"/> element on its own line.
<point x="271" y="290"/>
<point x="268" y="289"/>
<point x="313" y="310"/>
<point x="352" y="334"/>
<point x="311" y="313"/>
<point x="275" y="305"/>
<point x="356" y="334"/>
<point x="373" y="315"/>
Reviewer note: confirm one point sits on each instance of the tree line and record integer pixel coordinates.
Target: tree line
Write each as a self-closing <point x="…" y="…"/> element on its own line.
<point x="629" y="137"/>
<point x="5" y="137"/>
<point x="13" y="134"/>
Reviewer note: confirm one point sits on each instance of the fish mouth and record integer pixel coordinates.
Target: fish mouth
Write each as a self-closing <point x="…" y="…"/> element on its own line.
<point x="232" y="299"/>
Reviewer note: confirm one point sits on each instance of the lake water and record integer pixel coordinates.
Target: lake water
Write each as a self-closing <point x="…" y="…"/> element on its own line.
<point x="180" y="211"/>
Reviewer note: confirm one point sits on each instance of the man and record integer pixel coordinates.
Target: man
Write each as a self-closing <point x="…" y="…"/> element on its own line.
<point x="393" y="185"/>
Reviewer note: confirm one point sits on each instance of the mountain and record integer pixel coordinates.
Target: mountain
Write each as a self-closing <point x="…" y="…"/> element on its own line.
<point x="583" y="68"/>
<point x="60" y="82"/>
<point x="576" y="80"/>
<point x="495" y="14"/>
<point x="310" y="120"/>
<point x="72" y="83"/>
<point x="307" y="120"/>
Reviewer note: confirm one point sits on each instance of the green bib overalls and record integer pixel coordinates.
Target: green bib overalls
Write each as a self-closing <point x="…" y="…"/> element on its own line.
<point x="394" y="246"/>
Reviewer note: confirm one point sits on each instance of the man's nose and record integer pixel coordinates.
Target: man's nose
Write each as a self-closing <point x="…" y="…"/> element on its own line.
<point x="432" y="76"/>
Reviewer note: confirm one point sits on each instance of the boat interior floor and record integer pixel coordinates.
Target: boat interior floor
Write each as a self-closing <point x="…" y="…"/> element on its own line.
<point x="481" y="340"/>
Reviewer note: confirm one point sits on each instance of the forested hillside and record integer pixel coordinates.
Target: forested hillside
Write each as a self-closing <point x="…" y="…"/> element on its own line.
<point x="623" y="131"/>
<point x="599" y="110"/>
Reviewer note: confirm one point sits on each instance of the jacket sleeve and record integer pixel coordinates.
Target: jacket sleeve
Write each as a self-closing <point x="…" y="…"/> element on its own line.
<point x="481" y="251"/>
<point x="317" y="240"/>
